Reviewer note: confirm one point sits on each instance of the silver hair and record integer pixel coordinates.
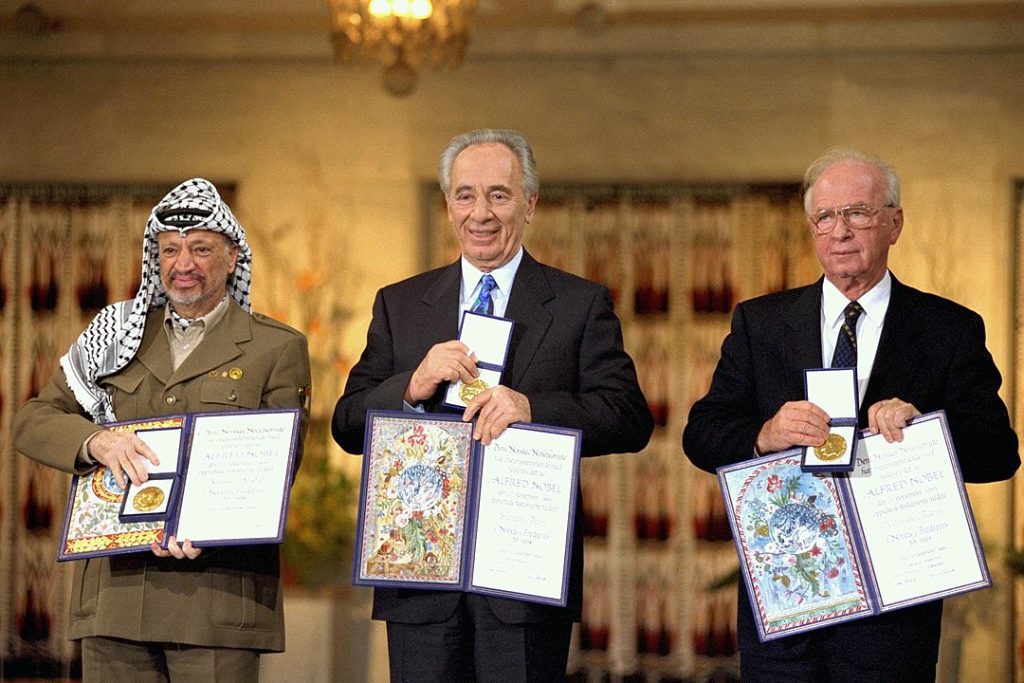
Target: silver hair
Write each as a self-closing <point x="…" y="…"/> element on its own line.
<point x="510" y="138"/>
<point x="841" y="154"/>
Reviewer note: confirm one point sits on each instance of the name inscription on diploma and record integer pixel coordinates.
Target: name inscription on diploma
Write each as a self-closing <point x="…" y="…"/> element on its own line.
<point x="820" y="548"/>
<point x="237" y="474"/>
<point x="493" y="519"/>
<point x="911" y="508"/>
<point x="525" y="514"/>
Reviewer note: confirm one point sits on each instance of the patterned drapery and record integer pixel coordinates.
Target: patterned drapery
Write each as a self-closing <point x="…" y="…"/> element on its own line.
<point x="65" y="251"/>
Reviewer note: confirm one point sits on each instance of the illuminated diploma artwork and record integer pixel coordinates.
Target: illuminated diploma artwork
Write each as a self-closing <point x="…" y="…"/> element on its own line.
<point x="819" y="548"/>
<point x="439" y="510"/>
<point x="92" y="523"/>
<point x="223" y="479"/>
<point x="415" y="503"/>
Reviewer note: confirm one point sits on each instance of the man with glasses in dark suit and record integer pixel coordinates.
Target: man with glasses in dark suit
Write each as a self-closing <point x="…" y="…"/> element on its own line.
<point x="914" y="353"/>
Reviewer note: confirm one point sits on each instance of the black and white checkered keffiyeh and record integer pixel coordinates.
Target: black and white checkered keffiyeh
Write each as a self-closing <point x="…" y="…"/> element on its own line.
<point x="113" y="337"/>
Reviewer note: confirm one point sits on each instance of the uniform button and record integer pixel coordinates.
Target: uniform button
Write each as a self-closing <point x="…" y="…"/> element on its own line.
<point x="232" y="396"/>
<point x="170" y="399"/>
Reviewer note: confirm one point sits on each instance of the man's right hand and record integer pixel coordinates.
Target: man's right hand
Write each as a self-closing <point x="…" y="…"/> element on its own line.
<point x="123" y="453"/>
<point x="445" y="362"/>
<point x="798" y="423"/>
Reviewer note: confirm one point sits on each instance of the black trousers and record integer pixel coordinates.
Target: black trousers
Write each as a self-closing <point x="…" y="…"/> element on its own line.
<point x="901" y="646"/>
<point x="830" y="670"/>
<point x="475" y="646"/>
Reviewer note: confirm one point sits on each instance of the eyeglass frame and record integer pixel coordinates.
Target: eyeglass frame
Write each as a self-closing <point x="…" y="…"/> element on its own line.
<point x="842" y="212"/>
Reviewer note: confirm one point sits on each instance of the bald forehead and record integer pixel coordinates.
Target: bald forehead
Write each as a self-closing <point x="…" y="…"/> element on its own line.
<point x="484" y="152"/>
<point x="846" y="182"/>
<point x="490" y="165"/>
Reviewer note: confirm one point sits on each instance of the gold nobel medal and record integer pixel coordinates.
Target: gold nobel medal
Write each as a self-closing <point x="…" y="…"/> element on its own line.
<point x="148" y="499"/>
<point x="235" y="373"/>
<point x="469" y="391"/>
<point x="833" y="448"/>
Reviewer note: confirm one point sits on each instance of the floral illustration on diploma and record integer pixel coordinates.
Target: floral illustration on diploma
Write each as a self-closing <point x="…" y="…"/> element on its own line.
<point x="798" y="548"/>
<point x="415" y="506"/>
<point x="93" y="524"/>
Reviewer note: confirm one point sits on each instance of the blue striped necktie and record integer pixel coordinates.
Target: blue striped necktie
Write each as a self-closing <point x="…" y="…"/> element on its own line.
<point x="484" y="304"/>
<point x="846" y="344"/>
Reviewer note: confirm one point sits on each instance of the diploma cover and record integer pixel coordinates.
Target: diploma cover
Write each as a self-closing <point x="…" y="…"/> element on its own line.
<point x="439" y="510"/>
<point x="819" y="548"/>
<point x="223" y="479"/>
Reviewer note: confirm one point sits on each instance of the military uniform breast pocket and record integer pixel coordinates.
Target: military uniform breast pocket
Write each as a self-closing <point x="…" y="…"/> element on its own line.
<point x="219" y="393"/>
<point x="123" y="389"/>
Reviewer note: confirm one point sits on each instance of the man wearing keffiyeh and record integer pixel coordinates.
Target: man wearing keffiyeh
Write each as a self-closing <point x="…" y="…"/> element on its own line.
<point x="187" y="342"/>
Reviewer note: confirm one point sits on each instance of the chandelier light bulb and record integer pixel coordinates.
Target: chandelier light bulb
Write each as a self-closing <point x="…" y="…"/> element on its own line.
<point x="402" y="36"/>
<point x="402" y="9"/>
<point x="380" y="8"/>
<point x="420" y="9"/>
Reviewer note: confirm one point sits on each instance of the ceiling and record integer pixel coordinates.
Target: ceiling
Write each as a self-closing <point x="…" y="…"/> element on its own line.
<point x="297" y="30"/>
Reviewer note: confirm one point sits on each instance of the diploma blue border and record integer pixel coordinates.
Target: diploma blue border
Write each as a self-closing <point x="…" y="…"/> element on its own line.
<point x="359" y="560"/>
<point x="83" y="480"/>
<point x="858" y="526"/>
<point x="473" y="474"/>
<point x="792" y="455"/>
<point x="862" y="554"/>
<point x="184" y="445"/>
<point x="191" y="418"/>
<point x="562" y="599"/>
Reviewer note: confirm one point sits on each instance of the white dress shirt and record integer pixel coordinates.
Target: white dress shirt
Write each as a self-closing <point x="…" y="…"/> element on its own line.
<point x="875" y="303"/>
<point x="503" y="277"/>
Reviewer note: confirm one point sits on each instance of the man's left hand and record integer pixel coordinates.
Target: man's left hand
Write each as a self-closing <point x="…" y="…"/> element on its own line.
<point x="181" y="552"/>
<point x="890" y="417"/>
<point x="496" y="409"/>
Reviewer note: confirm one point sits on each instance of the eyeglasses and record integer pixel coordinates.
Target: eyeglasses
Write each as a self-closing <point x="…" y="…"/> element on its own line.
<point x="858" y="217"/>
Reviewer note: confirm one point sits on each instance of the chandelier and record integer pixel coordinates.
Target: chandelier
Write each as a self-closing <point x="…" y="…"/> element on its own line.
<point x="402" y="35"/>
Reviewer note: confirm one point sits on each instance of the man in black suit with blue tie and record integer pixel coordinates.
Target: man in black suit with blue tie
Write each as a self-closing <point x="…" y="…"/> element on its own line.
<point x="914" y="352"/>
<point x="566" y="367"/>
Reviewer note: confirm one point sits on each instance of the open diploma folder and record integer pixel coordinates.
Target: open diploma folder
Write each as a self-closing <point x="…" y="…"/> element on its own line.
<point x="439" y="510"/>
<point x="223" y="479"/>
<point x="817" y="549"/>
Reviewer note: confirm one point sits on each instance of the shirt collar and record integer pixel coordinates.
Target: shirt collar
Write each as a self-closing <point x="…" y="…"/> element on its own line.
<point x="173" y="320"/>
<point x="875" y="302"/>
<point x="503" y="276"/>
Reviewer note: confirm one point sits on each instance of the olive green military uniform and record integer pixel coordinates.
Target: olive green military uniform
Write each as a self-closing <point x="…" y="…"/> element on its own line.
<point x="228" y="596"/>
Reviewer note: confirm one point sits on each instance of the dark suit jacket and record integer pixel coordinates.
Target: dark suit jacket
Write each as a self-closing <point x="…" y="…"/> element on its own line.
<point x="931" y="353"/>
<point x="227" y="597"/>
<point x="566" y="356"/>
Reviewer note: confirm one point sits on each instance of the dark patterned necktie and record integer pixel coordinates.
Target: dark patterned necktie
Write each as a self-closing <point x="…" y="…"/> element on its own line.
<point x="484" y="303"/>
<point x="846" y="344"/>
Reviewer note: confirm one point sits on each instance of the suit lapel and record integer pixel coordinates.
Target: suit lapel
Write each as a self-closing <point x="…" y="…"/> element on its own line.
<point x="526" y="306"/>
<point x="440" y="317"/>
<point x="219" y="345"/>
<point x="155" y="351"/>
<point x="803" y="322"/>
<point x="896" y="359"/>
